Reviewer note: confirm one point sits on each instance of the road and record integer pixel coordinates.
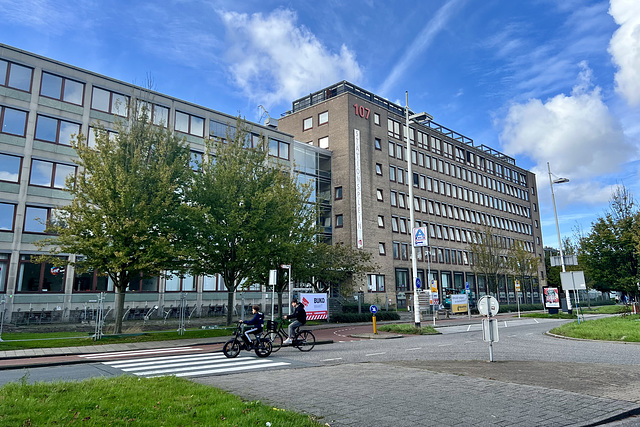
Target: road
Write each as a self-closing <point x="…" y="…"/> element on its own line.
<point x="442" y="379"/>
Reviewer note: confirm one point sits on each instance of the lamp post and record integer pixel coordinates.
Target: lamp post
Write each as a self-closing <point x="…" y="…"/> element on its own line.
<point x="414" y="262"/>
<point x="555" y="212"/>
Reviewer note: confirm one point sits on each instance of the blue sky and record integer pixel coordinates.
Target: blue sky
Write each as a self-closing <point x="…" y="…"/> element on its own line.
<point x="540" y="80"/>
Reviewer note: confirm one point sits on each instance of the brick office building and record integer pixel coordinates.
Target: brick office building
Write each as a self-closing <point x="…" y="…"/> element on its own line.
<point x="458" y="186"/>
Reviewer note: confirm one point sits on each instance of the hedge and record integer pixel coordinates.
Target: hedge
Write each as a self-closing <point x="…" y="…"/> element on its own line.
<point x="363" y="317"/>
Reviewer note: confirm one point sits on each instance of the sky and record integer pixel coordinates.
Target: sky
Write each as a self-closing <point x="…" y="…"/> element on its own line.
<point x="543" y="81"/>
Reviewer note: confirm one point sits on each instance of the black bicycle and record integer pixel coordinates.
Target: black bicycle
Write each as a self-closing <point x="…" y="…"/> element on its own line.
<point x="276" y="334"/>
<point x="262" y="346"/>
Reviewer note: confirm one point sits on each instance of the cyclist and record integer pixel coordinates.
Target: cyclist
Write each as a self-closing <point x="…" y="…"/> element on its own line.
<point x="300" y="317"/>
<point x="257" y="322"/>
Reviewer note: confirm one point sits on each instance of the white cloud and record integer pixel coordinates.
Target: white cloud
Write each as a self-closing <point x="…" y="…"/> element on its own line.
<point x="272" y="59"/>
<point x="625" y="48"/>
<point x="576" y="133"/>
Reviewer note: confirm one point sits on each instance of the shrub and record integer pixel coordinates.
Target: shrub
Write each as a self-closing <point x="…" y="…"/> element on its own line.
<point x="363" y="317"/>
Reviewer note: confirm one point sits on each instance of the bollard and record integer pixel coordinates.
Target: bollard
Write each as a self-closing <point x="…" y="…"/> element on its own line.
<point x="375" y="328"/>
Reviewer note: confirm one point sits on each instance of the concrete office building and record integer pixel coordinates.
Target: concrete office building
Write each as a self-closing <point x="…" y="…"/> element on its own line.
<point x="458" y="185"/>
<point x="42" y="104"/>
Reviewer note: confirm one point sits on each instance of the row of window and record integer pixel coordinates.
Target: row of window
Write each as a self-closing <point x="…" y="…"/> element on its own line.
<point x="446" y="149"/>
<point x="323" y="119"/>
<point x="43" y="173"/>
<point x="449" y="169"/>
<point x="44" y="277"/>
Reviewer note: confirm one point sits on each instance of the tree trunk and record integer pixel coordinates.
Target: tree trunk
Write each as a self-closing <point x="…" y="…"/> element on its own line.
<point x="119" y="303"/>
<point x="229" y="306"/>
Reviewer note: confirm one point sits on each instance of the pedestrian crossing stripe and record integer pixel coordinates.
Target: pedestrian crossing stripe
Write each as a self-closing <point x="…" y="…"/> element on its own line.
<point x="138" y="352"/>
<point x="192" y="365"/>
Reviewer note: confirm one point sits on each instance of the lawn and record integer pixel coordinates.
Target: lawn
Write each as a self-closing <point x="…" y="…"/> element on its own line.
<point x="408" y="329"/>
<point x="23" y="340"/>
<point x="550" y="316"/>
<point x="606" y="309"/>
<point x="128" y="400"/>
<point x="616" y="328"/>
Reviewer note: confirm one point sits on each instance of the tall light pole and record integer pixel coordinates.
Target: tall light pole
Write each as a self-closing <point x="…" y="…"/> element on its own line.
<point x="555" y="212"/>
<point x="414" y="262"/>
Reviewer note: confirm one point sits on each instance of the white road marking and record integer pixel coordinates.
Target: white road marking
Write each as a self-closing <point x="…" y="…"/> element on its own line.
<point x="413" y="349"/>
<point x="374" y="354"/>
<point x="139" y="352"/>
<point x="331" y="360"/>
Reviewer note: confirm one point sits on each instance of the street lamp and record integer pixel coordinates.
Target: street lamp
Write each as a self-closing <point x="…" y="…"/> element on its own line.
<point x="421" y="117"/>
<point x="555" y="212"/>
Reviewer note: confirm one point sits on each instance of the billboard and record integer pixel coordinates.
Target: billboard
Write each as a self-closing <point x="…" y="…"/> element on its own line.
<point x="551" y="297"/>
<point x="315" y="305"/>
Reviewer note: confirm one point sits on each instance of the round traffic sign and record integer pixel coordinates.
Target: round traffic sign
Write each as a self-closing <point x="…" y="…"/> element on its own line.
<point x="373" y="309"/>
<point x="487" y="302"/>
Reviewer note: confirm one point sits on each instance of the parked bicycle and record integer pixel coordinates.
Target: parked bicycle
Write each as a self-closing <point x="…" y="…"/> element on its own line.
<point x="276" y="334"/>
<point x="261" y="345"/>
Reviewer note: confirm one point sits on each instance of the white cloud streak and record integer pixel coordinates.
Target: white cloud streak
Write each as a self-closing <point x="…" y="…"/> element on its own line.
<point x="272" y="59"/>
<point x="625" y="48"/>
<point x="420" y="44"/>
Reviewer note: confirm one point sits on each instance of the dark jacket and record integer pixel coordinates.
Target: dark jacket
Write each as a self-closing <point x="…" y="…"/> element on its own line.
<point x="299" y="314"/>
<point x="257" y="321"/>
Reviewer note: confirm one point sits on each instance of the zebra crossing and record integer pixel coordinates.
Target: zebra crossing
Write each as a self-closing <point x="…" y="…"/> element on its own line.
<point x="192" y="365"/>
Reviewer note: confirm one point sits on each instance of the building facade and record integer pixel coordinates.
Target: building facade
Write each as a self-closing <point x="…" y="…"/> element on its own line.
<point x="457" y="187"/>
<point x="43" y="103"/>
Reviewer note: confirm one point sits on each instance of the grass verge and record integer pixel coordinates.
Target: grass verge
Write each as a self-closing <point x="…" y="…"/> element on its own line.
<point x="607" y="309"/>
<point x="21" y="340"/>
<point x="408" y="329"/>
<point x="624" y="329"/>
<point x="550" y="316"/>
<point x="128" y="400"/>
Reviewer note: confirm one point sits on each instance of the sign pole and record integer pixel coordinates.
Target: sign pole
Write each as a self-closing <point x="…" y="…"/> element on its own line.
<point x="518" y="296"/>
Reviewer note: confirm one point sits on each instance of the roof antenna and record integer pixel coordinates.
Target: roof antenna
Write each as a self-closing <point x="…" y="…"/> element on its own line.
<point x="270" y="122"/>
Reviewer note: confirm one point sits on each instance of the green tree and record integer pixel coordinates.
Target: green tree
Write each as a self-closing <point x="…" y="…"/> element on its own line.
<point x="610" y="251"/>
<point x="489" y="256"/>
<point x="325" y="266"/>
<point x="250" y="213"/>
<point x="124" y="217"/>
<point x="523" y="264"/>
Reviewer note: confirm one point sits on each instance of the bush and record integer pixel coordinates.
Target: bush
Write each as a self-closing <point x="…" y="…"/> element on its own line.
<point x="353" y="308"/>
<point x="363" y="317"/>
<point x="513" y="308"/>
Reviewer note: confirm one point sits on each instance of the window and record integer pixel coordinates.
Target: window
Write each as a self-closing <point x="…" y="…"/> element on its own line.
<point x="392" y="149"/>
<point x="402" y="279"/>
<point x="375" y="282"/>
<point x="49" y="174"/>
<point x="323" y="118"/>
<point x="42" y="277"/>
<point x="393" y="128"/>
<point x="376" y="119"/>
<point x="339" y="221"/>
<point x="7" y="215"/>
<point x="338" y="193"/>
<point x="143" y="284"/>
<point x="196" y="160"/>
<point x="188" y="123"/>
<point x="403" y="225"/>
<point x="4" y="271"/>
<point x="214" y="283"/>
<point x="381" y="249"/>
<point x="279" y="149"/>
<point x="378" y="169"/>
<point x="175" y="283"/>
<point x="91" y="139"/>
<point x="379" y="195"/>
<point x="15" y="76"/>
<point x="10" y="168"/>
<point x="36" y="219"/>
<point x="109" y="102"/>
<point x="92" y="281"/>
<point x="55" y="130"/>
<point x="307" y="123"/>
<point x="13" y="121"/>
<point x="380" y="221"/>
<point x="394" y="224"/>
<point x="396" y="250"/>
<point x="378" y="144"/>
<point x="400" y="176"/>
<point x="61" y="88"/>
<point x="404" y="251"/>
<point x="392" y="173"/>
<point x="158" y="114"/>
<point x="323" y="142"/>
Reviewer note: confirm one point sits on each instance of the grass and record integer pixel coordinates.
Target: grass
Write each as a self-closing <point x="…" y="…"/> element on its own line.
<point x="606" y="309"/>
<point x="617" y="328"/>
<point x="550" y="316"/>
<point x="408" y="329"/>
<point x="128" y="400"/>
<point x="22" y="340"/>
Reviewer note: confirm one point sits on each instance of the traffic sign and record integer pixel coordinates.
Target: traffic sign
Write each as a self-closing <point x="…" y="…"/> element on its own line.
<point x="517" y="286"/>
<point x="466" y="286"/>
<point x="373" y="309"/>
<point x="418" y="283"/>
<point x="488" y="302"/>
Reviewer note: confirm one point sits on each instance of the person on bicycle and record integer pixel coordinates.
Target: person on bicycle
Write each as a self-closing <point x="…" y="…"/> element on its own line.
<point x="300" y="317"/>
<point x="257" y="322"/>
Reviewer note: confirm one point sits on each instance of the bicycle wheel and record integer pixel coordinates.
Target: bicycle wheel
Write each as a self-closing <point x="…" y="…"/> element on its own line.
<point x="263" y="348"/>
<point x="305" y="341"/>
<point x="275" y="338"/>
<point x="231" y="348"/>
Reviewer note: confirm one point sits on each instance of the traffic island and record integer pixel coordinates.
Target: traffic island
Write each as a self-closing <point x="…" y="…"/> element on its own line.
<point x="378" y="336"/>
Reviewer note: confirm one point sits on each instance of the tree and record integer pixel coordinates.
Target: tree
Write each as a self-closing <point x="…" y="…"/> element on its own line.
<point x="610" y="250"/>
<point x="325" y="266"/>
<point x="523" y="263"/>
<point x="249" y="212"/>
<point x="124" y="218"/>
<point x="489" y="256"/>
